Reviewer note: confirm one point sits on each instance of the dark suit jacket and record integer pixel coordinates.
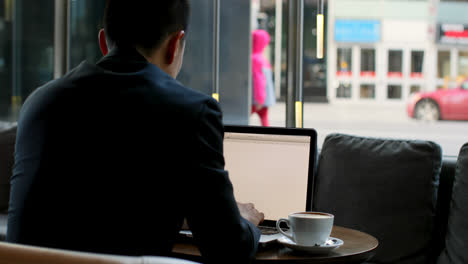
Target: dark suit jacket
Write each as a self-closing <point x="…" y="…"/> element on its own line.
<point x="112" y="157"/>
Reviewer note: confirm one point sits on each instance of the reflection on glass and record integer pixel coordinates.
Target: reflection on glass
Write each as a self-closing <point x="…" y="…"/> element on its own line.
<point x="343" y="90"/>
<point x="443" y="64"/>
<point x="367" y="91"/>
<point x="344" y="62"/>
<point x="85" y="22"/>
<point x="234" y="56"/>
<point x="197" y="70"/>
<point x="417" y="59"/>
<point x="26" y="51"/>
<point x="394" y="92"/>
<point x="395" y="63"/>
<point x="463" y="64"/>
<point x="315" y="70"/>
<point x="5" y="59"/>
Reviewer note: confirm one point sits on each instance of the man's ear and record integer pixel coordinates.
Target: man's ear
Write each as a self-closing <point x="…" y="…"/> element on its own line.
<point x="103" y="43"/>
<point x="173" y="46"/>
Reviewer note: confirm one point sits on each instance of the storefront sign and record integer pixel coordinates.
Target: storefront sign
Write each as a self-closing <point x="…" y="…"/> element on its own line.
<point x="453" y="34"/>
<point x="358" y="31"/>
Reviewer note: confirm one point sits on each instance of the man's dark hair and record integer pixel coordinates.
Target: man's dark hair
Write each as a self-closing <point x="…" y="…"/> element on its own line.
<point x="144" y="23"/>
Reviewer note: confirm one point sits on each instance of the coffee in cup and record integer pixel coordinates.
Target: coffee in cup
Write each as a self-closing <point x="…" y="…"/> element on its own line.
<point x="308" y="228"/>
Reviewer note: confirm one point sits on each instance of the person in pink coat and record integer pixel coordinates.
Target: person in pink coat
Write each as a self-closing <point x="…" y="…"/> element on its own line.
<point x="263" y="88"/>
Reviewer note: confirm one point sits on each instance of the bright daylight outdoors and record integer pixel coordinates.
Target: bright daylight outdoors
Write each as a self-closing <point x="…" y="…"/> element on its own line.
<point x="391" y="68"/>
<point x="399" y="71"/>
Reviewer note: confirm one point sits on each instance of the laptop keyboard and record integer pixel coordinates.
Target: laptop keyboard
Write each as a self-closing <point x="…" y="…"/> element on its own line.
<point x="268" y="230"/>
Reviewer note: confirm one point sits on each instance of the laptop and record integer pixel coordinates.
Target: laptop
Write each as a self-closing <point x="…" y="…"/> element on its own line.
<point x="272" y="168"/>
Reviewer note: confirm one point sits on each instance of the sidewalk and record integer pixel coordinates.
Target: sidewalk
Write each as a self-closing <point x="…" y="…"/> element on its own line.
<point x="340" y="113"/>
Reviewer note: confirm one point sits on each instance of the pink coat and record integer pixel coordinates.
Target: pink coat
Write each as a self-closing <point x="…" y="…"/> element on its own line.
<point x="263" y="93"/>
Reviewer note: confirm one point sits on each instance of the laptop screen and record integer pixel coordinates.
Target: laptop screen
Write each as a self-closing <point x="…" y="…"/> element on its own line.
<point x="270" y="168"/>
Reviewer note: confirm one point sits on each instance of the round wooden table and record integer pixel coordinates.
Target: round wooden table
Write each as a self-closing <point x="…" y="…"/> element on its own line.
<point x="357" y="248"/>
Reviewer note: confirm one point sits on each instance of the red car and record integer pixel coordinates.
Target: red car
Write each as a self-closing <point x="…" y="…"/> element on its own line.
<point x="448" y="104"/>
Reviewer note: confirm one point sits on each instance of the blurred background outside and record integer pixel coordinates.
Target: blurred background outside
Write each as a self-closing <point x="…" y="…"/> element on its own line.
<point x="391" y="68"/>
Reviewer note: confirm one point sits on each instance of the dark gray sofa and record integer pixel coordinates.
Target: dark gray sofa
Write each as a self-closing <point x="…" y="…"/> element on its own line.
<point x="400" y="191"/>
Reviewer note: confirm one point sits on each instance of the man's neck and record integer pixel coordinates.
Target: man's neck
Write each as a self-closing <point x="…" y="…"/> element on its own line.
<point x="156" y="58"/>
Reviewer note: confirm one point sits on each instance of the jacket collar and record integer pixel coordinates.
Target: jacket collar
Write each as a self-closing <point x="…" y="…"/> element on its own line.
<point x="123" y="60"/>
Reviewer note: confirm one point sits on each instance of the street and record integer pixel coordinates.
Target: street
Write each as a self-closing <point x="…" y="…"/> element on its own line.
<point x="374" y="120"/>
<point x="371" y="120"/>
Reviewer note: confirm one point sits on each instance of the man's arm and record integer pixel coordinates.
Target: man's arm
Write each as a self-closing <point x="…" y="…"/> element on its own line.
<point x="246" y="210"/>
<point x="223" y="236"/>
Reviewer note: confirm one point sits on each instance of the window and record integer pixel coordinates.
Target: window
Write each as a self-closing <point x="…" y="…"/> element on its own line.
<point x="463" y="64"/>
<point x="395" y="63"/>
<point x="343" y="90"/>
<point x="415" y="89"/>
<point x="443" y="64"/>
<point x="26" y="51"/>
<point x="315" y="70"/>
<point x="417" y="59"/>
<point x="6" y="15"/>
<point x="344" y="62"/>
<point x="394" y="92"/>
<point x="26" y="60"/>
<point x="85" y="22"/>
<point x="368" y="63"/>
<point x="367" y="91"/>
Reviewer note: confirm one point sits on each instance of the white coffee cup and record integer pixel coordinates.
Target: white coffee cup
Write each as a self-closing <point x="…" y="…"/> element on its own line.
<point x="308" y="228"/>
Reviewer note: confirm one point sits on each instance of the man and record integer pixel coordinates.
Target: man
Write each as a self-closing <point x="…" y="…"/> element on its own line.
<point x="112" y="157"/>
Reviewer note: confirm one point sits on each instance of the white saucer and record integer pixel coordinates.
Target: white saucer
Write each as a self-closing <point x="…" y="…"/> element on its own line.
<point x="331" y="244"/>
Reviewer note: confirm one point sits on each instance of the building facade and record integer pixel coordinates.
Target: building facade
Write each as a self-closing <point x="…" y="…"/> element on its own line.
<point x="382" y="51"/>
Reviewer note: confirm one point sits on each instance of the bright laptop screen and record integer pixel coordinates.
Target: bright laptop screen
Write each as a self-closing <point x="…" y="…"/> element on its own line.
<point x="269" y="170"/>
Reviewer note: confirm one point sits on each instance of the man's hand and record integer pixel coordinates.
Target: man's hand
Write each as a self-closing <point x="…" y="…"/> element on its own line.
<point x="248" y="211"/>
<point x="185" y="225"/>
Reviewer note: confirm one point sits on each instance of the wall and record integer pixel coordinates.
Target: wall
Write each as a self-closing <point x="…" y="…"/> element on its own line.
<point x="394" y="9"/>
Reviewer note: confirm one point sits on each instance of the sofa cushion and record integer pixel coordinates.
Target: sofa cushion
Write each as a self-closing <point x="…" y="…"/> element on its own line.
<point x="7" y="146"/>
<point x="456" y="242"/>
<point x="384" y="187"/>
<point x="444" y="196"/>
